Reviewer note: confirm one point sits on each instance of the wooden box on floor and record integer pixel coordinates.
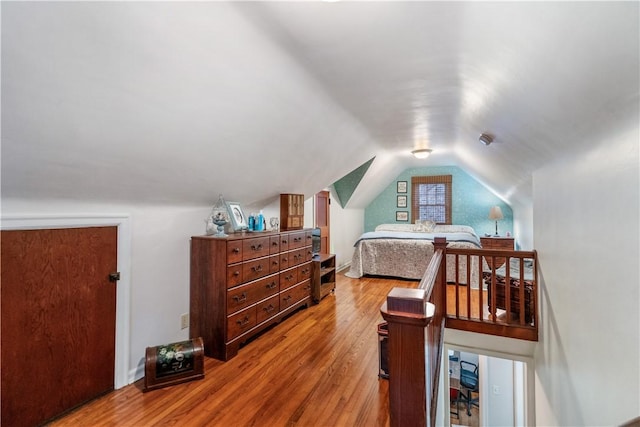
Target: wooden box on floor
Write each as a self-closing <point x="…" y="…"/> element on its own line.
<point x="175" y="363"/>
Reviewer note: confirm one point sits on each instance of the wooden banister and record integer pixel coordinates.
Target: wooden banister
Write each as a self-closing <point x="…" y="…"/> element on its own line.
<point x="415" y="319"/>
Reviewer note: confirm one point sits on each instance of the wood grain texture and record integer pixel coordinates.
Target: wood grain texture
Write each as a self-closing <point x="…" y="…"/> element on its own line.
<point x="319" y="368"/>
<point x="58" y="320"/>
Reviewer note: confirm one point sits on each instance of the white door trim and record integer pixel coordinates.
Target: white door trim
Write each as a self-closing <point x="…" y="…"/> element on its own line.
<point x="123" y="293"/>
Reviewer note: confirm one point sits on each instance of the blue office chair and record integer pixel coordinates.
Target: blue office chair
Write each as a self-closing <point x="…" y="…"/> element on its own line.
<point x="469" y="380"/>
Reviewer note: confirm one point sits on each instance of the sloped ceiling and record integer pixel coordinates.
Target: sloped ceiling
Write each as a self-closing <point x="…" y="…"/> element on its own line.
<point x="176" y="102"/>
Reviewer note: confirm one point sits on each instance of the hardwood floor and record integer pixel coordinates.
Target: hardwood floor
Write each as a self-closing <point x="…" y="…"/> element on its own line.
<point x="317" y="368"/>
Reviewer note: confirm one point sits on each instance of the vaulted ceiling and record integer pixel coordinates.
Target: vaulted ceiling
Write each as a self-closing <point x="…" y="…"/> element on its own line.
<point x="175" y="102"/>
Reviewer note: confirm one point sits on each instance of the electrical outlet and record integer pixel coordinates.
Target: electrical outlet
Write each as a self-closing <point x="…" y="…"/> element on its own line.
<point x="184" y="321"/>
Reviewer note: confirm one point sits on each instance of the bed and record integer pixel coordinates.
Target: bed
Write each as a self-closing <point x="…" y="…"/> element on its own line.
<point x="405" y="250"/>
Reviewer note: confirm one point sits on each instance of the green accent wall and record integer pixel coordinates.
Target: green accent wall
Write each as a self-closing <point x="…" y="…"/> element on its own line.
<point x="346" y="185"/>
<point x="471" y="202"/>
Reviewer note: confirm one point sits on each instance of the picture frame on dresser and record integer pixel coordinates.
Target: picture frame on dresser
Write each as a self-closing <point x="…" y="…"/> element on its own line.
<point x="238" y="219"/>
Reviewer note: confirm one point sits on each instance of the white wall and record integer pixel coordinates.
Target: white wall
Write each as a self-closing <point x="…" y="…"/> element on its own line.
<point x="523" y="226"/>
<point x="586" y="234"/>
<point x="499" y="380"/>
<point x="159" y="287"/>
<point x="346" y="226"/>
<point x="160" y="248"/>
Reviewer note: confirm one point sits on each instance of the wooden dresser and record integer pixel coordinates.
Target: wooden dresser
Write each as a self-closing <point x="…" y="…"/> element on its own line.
<point x="497" y="243"/>
<point x="243" y="283"/>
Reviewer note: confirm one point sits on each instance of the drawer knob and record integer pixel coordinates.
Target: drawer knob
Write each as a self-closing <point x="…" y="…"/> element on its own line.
<point x="257" y="269"/>
<point x="236" y="273"/>
<point x="241" y="298"/>
<point x="271" y="285"/>
<point x="244" y="322"/>
<point x="257" y="248"/>
<point x="236" y="250"/>
<point x="284" y="241"/>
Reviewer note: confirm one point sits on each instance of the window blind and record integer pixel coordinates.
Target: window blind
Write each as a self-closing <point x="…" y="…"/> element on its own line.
<point x="431" y="198"/>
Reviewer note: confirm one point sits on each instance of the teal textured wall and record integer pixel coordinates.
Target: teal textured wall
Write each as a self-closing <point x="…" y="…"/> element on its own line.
<point x="471" y="202"/>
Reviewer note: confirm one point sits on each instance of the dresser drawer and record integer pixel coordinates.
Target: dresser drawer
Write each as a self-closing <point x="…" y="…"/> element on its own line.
<point x="304" y="272"/>
<point x="297" y="257"/>
<point x="234" y="275"/>
<point x="274" y="263"/>
<point x="284" y="242"/>
<point x="267" y="308"/>
<point x="256" y="269"/>
<point x="274" y="245"/>
<point x="308" y="254"/>
<point x="497" y="243"/>
<point x="295" y="294"/>
<point x="288" y="278"/>
<point x="255" y="248"/>
<point x="239" y="323"/>
<point x="286" y="260"/>
<point x="245" y="295"/>
<point x="297" y="240"/>
<point x="234" y="251"/>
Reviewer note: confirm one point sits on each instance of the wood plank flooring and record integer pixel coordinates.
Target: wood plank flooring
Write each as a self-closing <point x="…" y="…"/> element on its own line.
<point x="319" y="367"/>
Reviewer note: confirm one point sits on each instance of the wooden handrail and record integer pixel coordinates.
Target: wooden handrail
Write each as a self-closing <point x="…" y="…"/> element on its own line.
<point x="518" y="301"/>
<point x="413" y="384"/>
<point x="416" y="319"/>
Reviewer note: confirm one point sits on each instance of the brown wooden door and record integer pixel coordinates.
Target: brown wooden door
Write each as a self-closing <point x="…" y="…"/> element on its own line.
<point x="322" y="219"/>
<point x="58" y="320"/>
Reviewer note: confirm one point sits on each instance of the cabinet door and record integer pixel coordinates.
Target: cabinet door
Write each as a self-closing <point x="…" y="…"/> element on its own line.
<point x="291" y="211"/>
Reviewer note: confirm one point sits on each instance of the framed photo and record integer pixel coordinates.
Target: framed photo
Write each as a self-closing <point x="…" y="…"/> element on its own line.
<point x="238" y="220"/>
<point x="402" y="216"/>
<point x="402" y="186"/>
<point x="401" y="202"/>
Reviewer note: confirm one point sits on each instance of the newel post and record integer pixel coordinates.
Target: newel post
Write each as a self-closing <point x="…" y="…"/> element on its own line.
<point x="408" y="313"/>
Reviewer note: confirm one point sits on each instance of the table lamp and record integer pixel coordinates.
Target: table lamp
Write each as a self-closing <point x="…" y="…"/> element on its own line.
<point x="495" y="213"/>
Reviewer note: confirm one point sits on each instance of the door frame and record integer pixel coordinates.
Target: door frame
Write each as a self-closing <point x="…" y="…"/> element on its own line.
<point x="523" y="382"/>
<point x="123" y="293"/>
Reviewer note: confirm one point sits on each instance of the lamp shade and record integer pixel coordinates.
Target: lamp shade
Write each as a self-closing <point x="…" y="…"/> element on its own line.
<point x="495" y="213"/>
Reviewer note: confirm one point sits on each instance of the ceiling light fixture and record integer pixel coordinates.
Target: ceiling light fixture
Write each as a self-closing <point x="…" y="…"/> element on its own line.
<point x="421" y="153"/>
<point x="486" y="139"/>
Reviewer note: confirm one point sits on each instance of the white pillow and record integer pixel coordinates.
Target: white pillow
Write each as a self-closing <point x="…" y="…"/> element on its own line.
<point x="425" y="225"/>
<point x="396" y="227"/>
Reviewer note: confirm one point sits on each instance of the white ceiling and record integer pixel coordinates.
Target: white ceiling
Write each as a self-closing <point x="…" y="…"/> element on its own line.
<point x="176" y="102"/>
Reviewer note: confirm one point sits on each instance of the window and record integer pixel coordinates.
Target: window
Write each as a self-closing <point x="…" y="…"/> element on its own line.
<point x="431" y="198"/>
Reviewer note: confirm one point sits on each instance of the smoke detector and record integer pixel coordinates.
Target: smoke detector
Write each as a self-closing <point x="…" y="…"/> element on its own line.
<point x="486" y="139"/>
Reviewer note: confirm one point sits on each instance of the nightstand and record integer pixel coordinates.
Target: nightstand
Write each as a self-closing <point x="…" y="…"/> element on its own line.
<point x="497" y="243"/>
<point x="323" y="278"/>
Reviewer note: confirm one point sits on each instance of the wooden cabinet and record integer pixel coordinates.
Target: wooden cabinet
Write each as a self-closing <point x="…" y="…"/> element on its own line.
<point x="291" y="211"/>
<point x="497" y="243"/>
<point x="243" y="283"/>
<point x="324" y="276"/>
